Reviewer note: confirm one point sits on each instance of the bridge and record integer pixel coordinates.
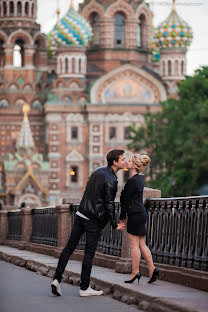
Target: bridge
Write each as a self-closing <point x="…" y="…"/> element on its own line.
<point x="177" y="237"/>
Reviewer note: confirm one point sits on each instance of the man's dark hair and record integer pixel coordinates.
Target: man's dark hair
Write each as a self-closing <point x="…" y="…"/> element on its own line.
<point x="113" y="155"/>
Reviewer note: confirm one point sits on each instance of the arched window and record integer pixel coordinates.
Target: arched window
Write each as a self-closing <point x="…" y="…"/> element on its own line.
<point x="19" y="8"/>
<point x="2" y="54"/>
<point x="95" y="29"/>
<point x="4" y="9"/>
<point x="182" y="67"/>
<point x="169" y="68"/>
<point x="80" y="65"/>
<point x="139" y="41"/>
<point x="27" y="8"/>
<point x="66" y="65"/>
<point x="74" y="174"/>
<point x="142" y="22"/>
<point x="18" y="53"/>
<point x="11" y="8"/>
<point x="33" y="10"/>
<point x="119" y="30"/>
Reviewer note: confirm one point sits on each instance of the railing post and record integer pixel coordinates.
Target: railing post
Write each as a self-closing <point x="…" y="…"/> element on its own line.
<point x="123" y="265"/>
<point x="64" y="224"/>
<point x="27" y="222"/>
<point x="3" y="225"/>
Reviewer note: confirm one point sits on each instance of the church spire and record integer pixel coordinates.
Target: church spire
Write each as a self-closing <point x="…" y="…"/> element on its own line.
<point x="25" y="138"/>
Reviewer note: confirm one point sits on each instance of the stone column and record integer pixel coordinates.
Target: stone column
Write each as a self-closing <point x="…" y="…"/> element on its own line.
<point x="26" y="224"/>
<point x="3" y="225"/>
<point x="64" y="224"/>
<point x="124" y="263"/>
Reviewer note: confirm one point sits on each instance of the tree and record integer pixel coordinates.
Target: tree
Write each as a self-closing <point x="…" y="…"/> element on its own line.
<point x="177" y="139"/>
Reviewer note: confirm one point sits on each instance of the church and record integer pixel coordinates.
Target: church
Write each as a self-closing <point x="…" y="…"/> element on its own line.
<point x="68" y="97"/>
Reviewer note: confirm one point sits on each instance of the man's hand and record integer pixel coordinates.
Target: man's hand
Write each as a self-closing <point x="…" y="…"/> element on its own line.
<point x="121" y="226"/>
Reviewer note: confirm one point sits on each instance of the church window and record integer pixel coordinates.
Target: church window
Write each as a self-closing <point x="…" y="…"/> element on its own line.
<point x="4" y="9"/>
<point x="18" y="53"/>
<point x="26" y="8"/>
<point x="95" y="29"/>
<point x="112" y="133"/>
<point x="169" y="68"/>
<point x="126" y="133"/>
<point x="11" y="8"/>
<point x="19" y="8"/>
<point x="182" y="67"/>
<point x="33" y="10"/>
<point x="74" y="133"/>
<point x="74" y="174"/>
<point x="142" y="30"/>
<point x="119" y="29"/>
<point x="66" y="65"/>
<point x="139" y="35"/>
<point x="80" y="65"/>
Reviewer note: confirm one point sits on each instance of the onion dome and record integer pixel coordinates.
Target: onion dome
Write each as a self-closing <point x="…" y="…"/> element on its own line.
<point x="174" y="32"/>
<point x="70" y="30"/>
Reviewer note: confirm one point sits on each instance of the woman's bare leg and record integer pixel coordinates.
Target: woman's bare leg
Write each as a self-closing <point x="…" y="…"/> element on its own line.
<point x="146" y="254"/>
<point x="135" y="254"/>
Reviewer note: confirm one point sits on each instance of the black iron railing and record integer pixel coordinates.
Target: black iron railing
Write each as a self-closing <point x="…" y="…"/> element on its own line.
<point x="45" y="226"/>
<point x="178" y="231"/>
<point x="110" y="241"/>
<point x="14" y="225"/>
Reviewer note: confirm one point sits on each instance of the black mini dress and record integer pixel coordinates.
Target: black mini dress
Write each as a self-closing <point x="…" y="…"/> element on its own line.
<point x="131" y="202"/>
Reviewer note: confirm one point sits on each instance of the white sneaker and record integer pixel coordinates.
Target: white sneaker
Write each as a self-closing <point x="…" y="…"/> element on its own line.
<point x="90" y="292"/>
<point x="55" y="288"/>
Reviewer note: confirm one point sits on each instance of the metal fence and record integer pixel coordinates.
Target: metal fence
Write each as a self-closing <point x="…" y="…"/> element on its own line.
<point x="14" y="225"/>
<point x="178" y="231"/>
<point x="45" y="226"/>
<point x="110" y="241"/>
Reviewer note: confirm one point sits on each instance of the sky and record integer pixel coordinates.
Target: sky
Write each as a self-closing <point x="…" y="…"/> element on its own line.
<point x="194" y="12"/>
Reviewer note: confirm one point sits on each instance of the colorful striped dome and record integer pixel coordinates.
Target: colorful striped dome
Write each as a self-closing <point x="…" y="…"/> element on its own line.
<point x="71" y="30"/>
<point x="174" y="32"/>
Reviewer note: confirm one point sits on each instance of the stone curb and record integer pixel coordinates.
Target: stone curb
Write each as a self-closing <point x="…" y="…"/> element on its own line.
<point x="118" y="292"/>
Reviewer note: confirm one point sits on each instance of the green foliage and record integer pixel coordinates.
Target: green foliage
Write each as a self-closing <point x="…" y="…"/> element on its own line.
<point x="177" y="139"/>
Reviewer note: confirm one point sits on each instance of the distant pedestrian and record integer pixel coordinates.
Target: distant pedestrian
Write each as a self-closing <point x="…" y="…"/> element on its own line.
<point x="96" y="208"/>
<point x="131" y="201"/>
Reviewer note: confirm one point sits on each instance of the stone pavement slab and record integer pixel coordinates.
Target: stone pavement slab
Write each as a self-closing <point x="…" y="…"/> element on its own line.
<point x="160" y="296"/>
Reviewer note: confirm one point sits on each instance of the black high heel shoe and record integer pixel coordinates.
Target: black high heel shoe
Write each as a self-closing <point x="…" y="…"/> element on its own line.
<point x="138" y="275"/>
<point x="155" y="275"/>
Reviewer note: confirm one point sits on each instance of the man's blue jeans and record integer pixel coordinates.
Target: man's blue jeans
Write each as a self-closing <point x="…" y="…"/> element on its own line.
<point x="93" y="233"/>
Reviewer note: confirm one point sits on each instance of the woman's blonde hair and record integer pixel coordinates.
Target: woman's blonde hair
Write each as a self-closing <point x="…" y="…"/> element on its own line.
<point x="140" y="161"/>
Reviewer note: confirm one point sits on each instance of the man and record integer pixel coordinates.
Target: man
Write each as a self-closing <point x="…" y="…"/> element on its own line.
<point x="96" y="208"/>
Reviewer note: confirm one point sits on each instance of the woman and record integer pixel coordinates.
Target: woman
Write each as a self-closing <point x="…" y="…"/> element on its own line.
<point x="132" y="205"/>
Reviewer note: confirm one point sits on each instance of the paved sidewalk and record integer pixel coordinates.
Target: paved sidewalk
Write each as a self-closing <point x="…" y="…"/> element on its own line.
<point x="160" y="296"/>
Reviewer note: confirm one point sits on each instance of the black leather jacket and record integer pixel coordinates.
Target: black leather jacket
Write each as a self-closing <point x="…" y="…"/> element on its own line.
<point x="98" y="199"/>
<point x="131" y="199"/>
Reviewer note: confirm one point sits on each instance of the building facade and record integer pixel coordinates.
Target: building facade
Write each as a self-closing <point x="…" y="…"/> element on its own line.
<point x="96" y="73"/>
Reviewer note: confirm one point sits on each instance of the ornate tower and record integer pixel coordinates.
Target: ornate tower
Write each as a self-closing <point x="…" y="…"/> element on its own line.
<point x="25" y="171"/>
<point x="173" y="37"/>
<point x="23" y="70"/>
